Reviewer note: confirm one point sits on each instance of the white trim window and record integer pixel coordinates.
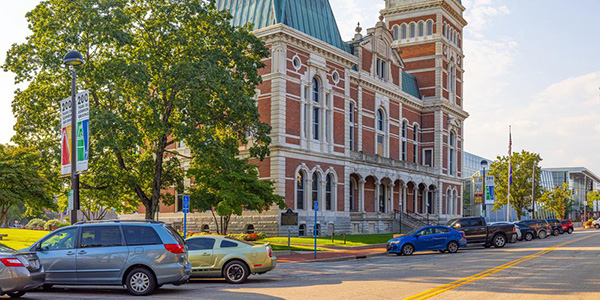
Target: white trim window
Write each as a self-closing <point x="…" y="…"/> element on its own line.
<point x="403" y="31"/>
<point x="412" y="30"/>
<point x="396" y="32"/>
<point x="352" y="194"/>
<point x="300" y="190"/>
<point x="316" y="111"/>
<point x="381" y="68"/>
<point x="381" y="129"/>
<point x="351" y="128"/>
<point x="416" y="143"/>
<point x="316" y="182"/>
<point x="452" y="153"/>
<point x="329" y="192"/>
<point x="429" y="27"/>
<point x="404" y="141"/>
<point x="421" y="28"/>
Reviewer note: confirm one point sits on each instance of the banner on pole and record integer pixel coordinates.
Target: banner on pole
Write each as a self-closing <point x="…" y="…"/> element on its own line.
<point x="83" y="132"/>
<point x="478" y="191"/>
<point x="489" y="190"/>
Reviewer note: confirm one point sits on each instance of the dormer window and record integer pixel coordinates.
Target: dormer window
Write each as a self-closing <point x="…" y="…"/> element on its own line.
<point x="382" y="69"/>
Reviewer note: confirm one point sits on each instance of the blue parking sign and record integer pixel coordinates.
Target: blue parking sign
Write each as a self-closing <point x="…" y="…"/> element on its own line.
<point x="186" y="203"/>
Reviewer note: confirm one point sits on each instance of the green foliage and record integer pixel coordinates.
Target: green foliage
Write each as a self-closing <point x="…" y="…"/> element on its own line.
<point x="522" y="174"/>
<point x="591" y="197"/>
<point x="227" y="186"/>
<point x="54" y="224"/>
<point x="250" y="237"/>
<point x="21" y="182"/>
<point x="158" y="72"/>
<point x="557" y="200"/>
<point x="35" y="224"/>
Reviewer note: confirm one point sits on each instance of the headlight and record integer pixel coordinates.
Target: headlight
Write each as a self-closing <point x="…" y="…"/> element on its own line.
<point x="394" y="242"/>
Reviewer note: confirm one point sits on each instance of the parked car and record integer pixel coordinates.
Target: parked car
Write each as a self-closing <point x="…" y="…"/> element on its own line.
<point x="527" y="233"/>
<point x="556" y="226"/>
<point x="19" y="272"/>
<point x="596" y="223"/>
<point x="428" y="238"/>
<point x="540" y="227"/>
<point x="567" y="226"/>
<point x="477" y="231"/>
<point x="516" y="237"/>
<point x="141" y="255"/>
<point x="234" y="260"/>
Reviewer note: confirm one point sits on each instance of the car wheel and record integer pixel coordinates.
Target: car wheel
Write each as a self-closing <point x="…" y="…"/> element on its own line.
<point x="542" y="234"/>
<point x="408" y="249"/>
<point x="140" y="282"/>
<point x="499" y="241"/>
<point x="16" y="294"/>
<point x="528" y="236"/>
<point x="452" y="247"/>
<point x="597" y="226"/>
<point x="236" y="272"/>
<point x="570" y="230"/>
<point x="555" y="232"/>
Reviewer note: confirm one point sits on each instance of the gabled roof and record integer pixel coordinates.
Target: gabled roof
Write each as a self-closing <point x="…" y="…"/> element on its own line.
<point x="410" y="85"/>
<point x="313" y="17"/>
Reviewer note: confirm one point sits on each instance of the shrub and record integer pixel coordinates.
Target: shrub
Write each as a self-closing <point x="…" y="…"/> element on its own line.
<point x="35" y="224"/>
<point x="54" y="224"/>
<point x="262" y="235"/>
<point x="251" y="237"/>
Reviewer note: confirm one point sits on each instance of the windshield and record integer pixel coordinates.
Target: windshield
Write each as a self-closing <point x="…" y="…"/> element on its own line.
<point x="6" y="249"/>
<point x="413" y="231"/>
<point x="451" y="222"/>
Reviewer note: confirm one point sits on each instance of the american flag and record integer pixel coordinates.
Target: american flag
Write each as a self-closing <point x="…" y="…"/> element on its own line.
<point x="509" y="156"/>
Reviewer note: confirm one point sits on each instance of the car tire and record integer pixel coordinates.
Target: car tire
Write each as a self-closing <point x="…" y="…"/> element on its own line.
<point x="140" y="282"/>
<point x="16" y="294"/>
<point x="570" y="230"/>
<point x="597" y="226"/>
<point x="499" y="241"/>
<point x="529" y="236"/>
<point x="236" y="272"/>
<point x="408" y="249"/>
<point x="452" y="247"/>
<point x="542" y="234"/>
<point x="555" y="232"/>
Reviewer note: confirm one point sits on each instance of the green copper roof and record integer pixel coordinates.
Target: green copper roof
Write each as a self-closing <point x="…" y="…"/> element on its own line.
<point x="313" y="17"/>
<point x="410" y="85"/>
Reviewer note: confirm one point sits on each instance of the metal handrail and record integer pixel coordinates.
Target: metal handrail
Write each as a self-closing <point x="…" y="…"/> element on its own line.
<point x="119" y="221"/>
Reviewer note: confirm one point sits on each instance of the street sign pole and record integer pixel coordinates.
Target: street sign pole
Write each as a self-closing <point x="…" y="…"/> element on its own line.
<point x="315" y="230"/>
<point x="186" y="209"/>
<point x="74" y="177"/>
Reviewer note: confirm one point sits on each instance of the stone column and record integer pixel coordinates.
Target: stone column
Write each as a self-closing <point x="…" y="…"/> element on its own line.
<point x="404" y="188"/>
<point x="390" y="203"/>
<point x="376" y="204"/>
<point x="426" y="198"/>
<point x="308" y="193"/>
<point x="361" y="195"/>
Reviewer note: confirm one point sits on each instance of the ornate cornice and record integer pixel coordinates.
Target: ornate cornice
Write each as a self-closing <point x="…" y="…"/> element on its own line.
<point x="424" y="6"/>
<point x="363" y="80"/>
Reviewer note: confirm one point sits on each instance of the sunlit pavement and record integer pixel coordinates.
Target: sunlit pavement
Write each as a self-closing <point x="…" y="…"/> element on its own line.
<point x="526" y="270"/>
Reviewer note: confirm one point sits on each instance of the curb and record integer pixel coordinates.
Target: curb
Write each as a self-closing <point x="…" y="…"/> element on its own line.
<point x="334" y="259"/>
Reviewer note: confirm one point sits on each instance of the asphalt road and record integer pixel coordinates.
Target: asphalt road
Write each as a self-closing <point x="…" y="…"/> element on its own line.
<point x="563" y="267"/>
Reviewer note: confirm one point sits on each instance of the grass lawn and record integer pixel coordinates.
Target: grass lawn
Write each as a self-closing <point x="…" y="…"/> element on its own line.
<point x="351" y="240"/>
<point x="21" y="238"/>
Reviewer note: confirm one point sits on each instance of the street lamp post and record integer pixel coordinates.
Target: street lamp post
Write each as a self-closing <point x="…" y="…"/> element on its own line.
<point x="484" y="164"/>
<point x="72" y="59"/>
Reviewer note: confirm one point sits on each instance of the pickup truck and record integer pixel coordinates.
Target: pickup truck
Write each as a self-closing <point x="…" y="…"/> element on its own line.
<point x="477" y="231"/>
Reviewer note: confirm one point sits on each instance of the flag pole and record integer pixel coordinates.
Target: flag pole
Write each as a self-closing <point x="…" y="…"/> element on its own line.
<point x="509" y="174"/>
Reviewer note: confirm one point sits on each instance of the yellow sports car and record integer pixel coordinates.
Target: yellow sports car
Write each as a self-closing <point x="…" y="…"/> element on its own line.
<point x="218" y="257"/>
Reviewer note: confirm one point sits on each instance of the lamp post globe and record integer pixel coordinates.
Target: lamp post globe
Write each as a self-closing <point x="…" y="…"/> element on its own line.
<point x="484" y="164"/>
<point x="73" y="58"/>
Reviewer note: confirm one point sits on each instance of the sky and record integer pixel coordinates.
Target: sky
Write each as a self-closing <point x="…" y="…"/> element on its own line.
<point x="534" y="65"/>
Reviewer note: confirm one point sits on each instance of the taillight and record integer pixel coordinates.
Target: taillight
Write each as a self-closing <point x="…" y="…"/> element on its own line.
<point x="549" y="227"/>
<point x="269" y="251"/>
<point x="463" y="233"/>
<point x="175" y="248"/>
<point x="11" y="262"/>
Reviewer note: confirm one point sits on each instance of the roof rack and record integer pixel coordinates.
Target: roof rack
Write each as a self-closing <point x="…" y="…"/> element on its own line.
<point x="119" y="221"/>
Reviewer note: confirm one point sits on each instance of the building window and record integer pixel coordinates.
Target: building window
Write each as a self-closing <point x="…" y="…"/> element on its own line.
<point x="316" y="108"/>
<point x="250" y="228"/>
<point x="429" y="27"/>
<point x="300" y="190"/>
<point x="206" y="228"/>
<point x="416" y="144"/>
<point x="180" y="193"/>
<point x="381" y="68"/>
<point x="428" y="157"/>
<point x="452" y="153"/>
<point x="305" y="127"/>
<point x="381" y="132"/>
<point x="404" y="135"/>
<point x="421" y="28"/>
<point x="318" y="230"/>
<point x="351" y="128"/>
<point x="352" y="194"/>
<point x="328" y="192"/>
<point x="316" y="181"/>
<point x="403" y="31"/>
<point x="302" y="230"/>
<point x="396" y="33"/>
<point x="412" y="30"/>
<point x="449" y="202"/>
<point x="382" y="190"/>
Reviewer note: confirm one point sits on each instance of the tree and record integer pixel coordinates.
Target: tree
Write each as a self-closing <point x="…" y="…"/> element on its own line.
<point x="227" y="186"/>
<point x="557" y="200"/>
<point x="158" y="72"/>
<point x="521" y="188"/>
<point x="591" y="197"/>
<point x="21" y="182"/>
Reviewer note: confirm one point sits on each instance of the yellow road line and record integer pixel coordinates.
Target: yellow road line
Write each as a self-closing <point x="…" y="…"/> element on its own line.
<point x="449" y="286"/>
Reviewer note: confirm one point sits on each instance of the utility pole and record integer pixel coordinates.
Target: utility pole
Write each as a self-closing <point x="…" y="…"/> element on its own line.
<point x="533" y="194"/>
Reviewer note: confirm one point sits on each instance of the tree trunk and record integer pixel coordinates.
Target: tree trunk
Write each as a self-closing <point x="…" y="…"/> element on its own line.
<point x="215" y="218"/>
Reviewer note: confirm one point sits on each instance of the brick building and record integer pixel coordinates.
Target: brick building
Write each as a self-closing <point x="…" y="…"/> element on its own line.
<point x="371" y="128"/>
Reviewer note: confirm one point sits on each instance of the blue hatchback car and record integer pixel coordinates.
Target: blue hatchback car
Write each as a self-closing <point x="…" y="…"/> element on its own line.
<point x="428" y="238"/>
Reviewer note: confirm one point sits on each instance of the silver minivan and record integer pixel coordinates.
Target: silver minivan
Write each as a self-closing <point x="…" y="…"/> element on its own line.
<point x="140" y="255"/>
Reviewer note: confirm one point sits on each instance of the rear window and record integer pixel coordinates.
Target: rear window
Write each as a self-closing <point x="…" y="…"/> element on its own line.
<point x="564" y="222"/>
<point x="476" y="222"/>
<point x="175" y="235"/>
<point x="228" y="244"/>
<point x="141" y="235"/>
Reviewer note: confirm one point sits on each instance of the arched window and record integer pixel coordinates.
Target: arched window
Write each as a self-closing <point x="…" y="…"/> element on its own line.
<point x="382" y="196"/>
<point x="300" y="190"/>
<point x="396" y="32"/>
<point x="316" y="181"/>
<point x="404" y="136"/>
<point x="429" y="27"/>
<point x="250" y="228"/>
<point x="412" y="30"/>
<point x="403" y="31"/>
<point x="316" y="108"/>
<point x="351" y="117"/>
<point x="318" y="229"/>
<point x="416" y="144"/>
<point x="455" y="203"/>
<point x="352" y="194"/>
<point x="449" y="202"/>
<point x="206" y="228"/>
<point x="452" y="153"/>
<point x="302" y="230"/>
<point x="446" y="30"/>
<point x="421" y="28"/>
<point x="381" y="132"/>
<point x="328" y="192"/>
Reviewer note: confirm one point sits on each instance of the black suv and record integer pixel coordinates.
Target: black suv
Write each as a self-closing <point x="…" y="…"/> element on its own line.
<point x="540" y="227"/>
<point x="556" y="226"/>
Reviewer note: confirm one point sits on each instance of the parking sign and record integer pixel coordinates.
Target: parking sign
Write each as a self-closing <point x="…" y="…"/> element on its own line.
<point x="186" y="203"/>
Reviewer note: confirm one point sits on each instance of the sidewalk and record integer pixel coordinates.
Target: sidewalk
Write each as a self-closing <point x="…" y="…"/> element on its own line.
<point x="335" y="253"/>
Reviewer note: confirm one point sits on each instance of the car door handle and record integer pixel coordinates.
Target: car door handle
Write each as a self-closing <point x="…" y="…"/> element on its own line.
<point x="205" y="254"/>
<point x="82" y="252"/>
<point x="70" y="253"/>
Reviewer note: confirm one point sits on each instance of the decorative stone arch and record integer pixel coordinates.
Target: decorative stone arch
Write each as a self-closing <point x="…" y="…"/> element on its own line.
<point x="396" y="32"/>
<point x="335" y="182"/>
<point x="412" y="30"/>
<point x="306" y="174"/>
